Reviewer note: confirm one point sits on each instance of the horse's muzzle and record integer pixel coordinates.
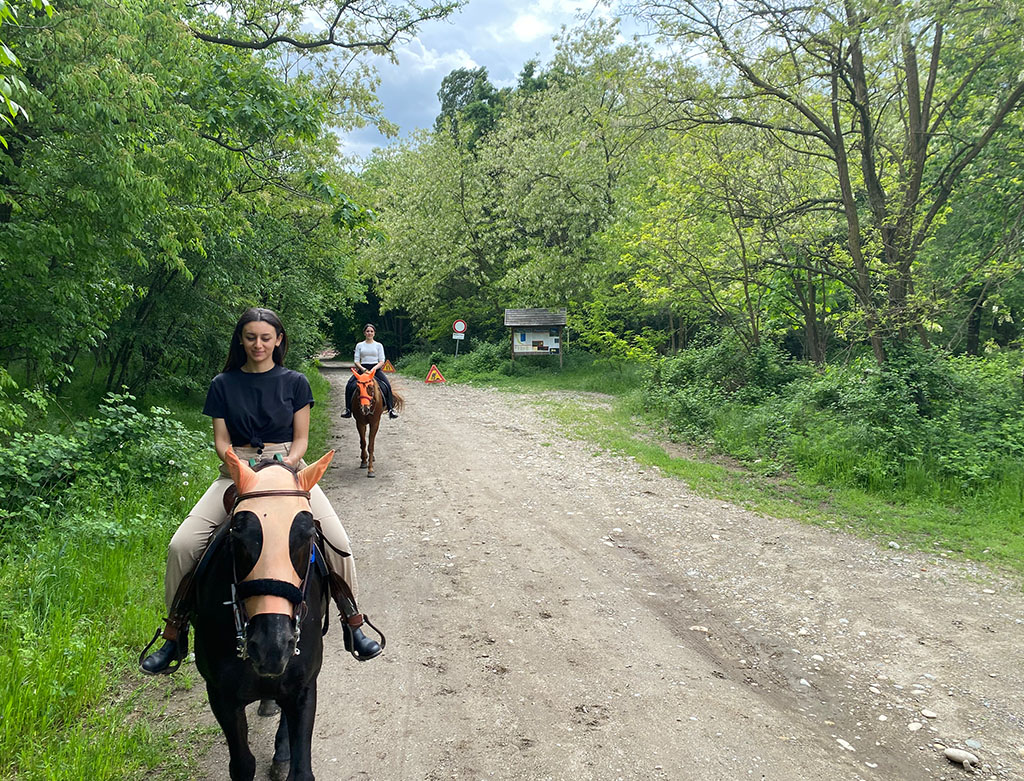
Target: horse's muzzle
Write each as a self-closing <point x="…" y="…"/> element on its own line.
<point x="270" y="643"/>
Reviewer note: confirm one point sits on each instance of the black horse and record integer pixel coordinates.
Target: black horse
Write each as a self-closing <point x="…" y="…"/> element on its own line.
<point x="261" y="599"/>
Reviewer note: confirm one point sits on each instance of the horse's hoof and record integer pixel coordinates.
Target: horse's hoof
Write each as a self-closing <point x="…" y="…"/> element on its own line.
<point x="269" y="708"/>
<point x="279" y="771"/>
<point x="370" y="474"/>
<point x="363" y="465"/>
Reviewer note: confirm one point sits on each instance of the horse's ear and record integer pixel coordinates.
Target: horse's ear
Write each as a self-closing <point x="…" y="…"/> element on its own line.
<point x="311" y="475"/>
<point x="355" y="371"/>
<point x="241" y="474"/>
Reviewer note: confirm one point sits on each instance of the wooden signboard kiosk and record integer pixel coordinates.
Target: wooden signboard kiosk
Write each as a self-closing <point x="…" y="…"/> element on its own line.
<point x="536" y="332"/>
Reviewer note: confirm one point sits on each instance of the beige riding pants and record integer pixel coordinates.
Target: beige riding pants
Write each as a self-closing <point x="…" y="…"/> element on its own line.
<point x="189" y="542"/>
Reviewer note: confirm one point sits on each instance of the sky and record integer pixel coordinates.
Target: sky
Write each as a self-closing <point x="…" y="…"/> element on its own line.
<point x="500" y="35"/>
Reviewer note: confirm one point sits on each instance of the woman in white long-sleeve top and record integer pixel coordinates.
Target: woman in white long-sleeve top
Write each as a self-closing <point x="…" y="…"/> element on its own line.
<point x="368" y="355"/>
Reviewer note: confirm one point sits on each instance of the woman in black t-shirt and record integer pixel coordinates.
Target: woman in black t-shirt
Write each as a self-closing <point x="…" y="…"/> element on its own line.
<point x="260" y="409"/>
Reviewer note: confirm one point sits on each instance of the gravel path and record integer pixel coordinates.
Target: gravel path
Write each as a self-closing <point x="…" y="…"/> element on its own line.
<point x="556" y="613"/>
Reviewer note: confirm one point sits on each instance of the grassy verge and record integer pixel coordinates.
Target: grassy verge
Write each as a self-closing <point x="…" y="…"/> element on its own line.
<point x="77" y="608"/>
<point x="320" y="417"/>
<point x="984" y="527"/>
<point x="980" y="531"/>
<point x="78" y="601"/>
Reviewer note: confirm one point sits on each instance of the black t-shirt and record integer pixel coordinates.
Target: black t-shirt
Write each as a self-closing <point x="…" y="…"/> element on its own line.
<point x="258" y="408"/>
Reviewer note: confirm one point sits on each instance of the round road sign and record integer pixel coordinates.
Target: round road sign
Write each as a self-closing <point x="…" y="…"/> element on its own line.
<point x="459" y="326"/>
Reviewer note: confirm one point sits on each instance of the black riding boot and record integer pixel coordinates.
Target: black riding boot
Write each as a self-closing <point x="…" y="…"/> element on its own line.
<point x="168" y="657"/>
<point x="356" y="643"/>
<point x="347" y="413"/>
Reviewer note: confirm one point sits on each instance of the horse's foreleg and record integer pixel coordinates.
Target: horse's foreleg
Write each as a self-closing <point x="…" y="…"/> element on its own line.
<point x="231" y="717"/>
<point x="369" y="448"/>
<point x="282" y="751"/>
<point x="362" y="445"/>
<point x="301" y="712"/>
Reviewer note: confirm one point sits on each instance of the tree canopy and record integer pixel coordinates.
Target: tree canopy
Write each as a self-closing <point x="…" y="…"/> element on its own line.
<point x="822" y="176"/>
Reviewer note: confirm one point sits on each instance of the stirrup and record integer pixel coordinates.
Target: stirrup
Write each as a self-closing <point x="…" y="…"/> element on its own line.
<point x="175" y="664"/>
<point x="348" y="630"/>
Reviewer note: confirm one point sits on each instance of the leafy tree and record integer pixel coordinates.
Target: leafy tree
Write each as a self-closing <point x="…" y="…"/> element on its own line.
<point x="169" y="180"/>
<point x="352" y="26"/>
<point x="10" y="84"/>
<point x="896" y="97"/>
<point x="470" y="104"/>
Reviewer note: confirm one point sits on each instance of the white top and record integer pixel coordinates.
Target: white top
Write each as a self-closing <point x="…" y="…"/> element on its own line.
<point x="369" y="355"/>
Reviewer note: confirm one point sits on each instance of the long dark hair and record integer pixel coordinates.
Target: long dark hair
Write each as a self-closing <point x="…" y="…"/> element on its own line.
<point x="236" y="353"/>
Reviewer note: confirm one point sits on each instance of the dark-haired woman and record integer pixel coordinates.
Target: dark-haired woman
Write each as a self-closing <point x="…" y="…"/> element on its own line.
<point x="261" y="410"/>
<point x="369" y="355"/>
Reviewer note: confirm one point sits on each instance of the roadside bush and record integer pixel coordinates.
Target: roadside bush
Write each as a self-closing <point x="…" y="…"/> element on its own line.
<point x="923" y="422"/>
<point x="922" y="417"/>
<point x="696" y="385"/>
<point x="108" y="452"/>
<point x="484" y="357"/>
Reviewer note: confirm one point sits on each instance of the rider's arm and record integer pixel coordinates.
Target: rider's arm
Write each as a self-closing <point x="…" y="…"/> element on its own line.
<point x="221" y="437"/>
<point x="300" y="436"/>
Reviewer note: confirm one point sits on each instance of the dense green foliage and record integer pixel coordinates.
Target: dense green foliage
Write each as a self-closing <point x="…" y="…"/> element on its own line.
<point x="175" y="172"/>
<point x="85" y="517"/>
<point x="921" y="424"/>
<point x="833" y="178"/>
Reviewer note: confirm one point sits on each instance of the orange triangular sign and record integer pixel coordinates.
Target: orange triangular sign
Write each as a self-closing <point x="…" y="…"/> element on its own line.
<point x="434" y="375"/>
<point x="388" y="366"/>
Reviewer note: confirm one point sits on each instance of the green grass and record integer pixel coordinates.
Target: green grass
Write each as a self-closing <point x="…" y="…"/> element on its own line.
<point x="320" y="416"/>
<point x="579" y="372"/>
<point x="76" y="611"/>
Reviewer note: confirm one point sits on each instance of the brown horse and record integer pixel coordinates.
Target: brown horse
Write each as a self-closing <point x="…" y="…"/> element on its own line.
<point x="367" y="411"/>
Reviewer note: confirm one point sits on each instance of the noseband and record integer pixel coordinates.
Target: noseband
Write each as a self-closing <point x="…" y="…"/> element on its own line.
<point x="243" y="590"/>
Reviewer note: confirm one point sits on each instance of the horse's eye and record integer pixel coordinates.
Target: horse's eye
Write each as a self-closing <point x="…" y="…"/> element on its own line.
<point x="242" y="520"/>
<point x="299" y="540"/>
<point x="246" y="540"/>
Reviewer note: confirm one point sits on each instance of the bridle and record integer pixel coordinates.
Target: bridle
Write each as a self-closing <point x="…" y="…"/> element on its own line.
<point x="364" y="387"/>
<point x="243" y="590"/>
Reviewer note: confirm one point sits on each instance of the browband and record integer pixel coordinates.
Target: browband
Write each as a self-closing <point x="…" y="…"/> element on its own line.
<point x="281" y="492"/>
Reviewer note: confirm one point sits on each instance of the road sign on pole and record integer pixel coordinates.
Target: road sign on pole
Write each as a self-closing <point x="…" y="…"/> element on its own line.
<point x="458" y="332"/>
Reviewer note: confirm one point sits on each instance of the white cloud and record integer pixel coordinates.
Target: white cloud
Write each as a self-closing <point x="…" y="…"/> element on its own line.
<point x="419" y="59"/>
<point x="528" y="27"/>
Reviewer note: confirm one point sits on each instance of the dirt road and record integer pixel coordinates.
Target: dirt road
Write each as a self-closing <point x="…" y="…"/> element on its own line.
<point x="556" y="613"/>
